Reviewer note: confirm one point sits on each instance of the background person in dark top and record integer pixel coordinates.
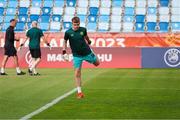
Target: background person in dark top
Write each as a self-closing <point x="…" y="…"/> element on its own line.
<point x="9" y="49"/>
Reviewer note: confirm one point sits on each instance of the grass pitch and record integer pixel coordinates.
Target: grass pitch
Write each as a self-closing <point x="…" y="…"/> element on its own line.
<point x="109" y="94"/>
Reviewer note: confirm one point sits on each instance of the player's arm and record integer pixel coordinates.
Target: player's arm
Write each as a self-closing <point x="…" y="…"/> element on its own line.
<point x="64" y="46"/>
<point x="45" y="41"/>
<point x="87" y="39"/>
<point x="27" y="38"/>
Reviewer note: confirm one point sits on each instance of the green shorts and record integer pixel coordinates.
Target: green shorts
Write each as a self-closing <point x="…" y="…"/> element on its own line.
<point x="77" y="61"/>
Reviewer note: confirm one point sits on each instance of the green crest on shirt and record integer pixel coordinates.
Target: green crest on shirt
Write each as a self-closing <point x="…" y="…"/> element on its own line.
<point x="81" y="33"/>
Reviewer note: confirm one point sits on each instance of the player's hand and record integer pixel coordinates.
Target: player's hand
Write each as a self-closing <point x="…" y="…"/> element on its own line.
<point x="89" y="42"/>
<point x="20" y="47"/>
<point x="48" y="46"/>
<point x="65" y="55"/>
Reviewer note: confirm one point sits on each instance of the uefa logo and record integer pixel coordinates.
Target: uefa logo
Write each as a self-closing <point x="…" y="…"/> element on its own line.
<point x="172" y="57"/>
<point x="28" y="58"/>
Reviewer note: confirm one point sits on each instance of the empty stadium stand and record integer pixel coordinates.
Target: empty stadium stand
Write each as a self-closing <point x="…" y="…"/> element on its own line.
<point x="96" y="15"/>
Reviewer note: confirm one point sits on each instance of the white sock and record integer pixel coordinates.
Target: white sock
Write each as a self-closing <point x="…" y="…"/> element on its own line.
<point x="34" y="71"/>
<point x="18" y="70"/>
<point x="30" y="68"/>
<point x="2" y="70"/>
<point x="79" y="89"/>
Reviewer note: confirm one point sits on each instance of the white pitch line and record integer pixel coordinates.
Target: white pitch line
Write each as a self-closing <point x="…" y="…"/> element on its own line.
<point x="28" y="116"/>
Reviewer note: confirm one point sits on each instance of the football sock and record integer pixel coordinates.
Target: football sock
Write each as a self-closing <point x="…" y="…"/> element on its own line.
<point x="79" y="89"/>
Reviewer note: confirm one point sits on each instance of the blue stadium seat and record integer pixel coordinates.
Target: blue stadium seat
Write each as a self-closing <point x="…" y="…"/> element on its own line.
<point x="82" y="18"/>
<point x="140" y="18"/>
<point x="1" y="18"/>
<point x="163" y="26"/>
<point x="151" y="27"/>
<point x="36" y="3"/>
<point x="8" y="18"/>
<point x="93" y="10"/>
<point x="34" y="18"/>
<point x="5" y="26"/>
<point x="54" y="26"/>
<point x="67" y="25"/>
<point x="56" y="18"/>
<point x="24" y="3"/>
<point x="92" y="18"/>
<point x="91" y="27"/>
<point x="58" y="3"/>
<point x="22" y="10"/>
<point x="164" y="3"/>
<point x="10" y="11"/>
<point x="71" y="3"/>
<point x="152" y="10"/>
<point x="129" y="11"/>
<point x="45" y="18"/>
<point x="103" y="26"/>
<point x="46" y="10"/>
<point x="22" y="18"/>
<point x="3" y="3"/>
<point x="48" y="3"/>
<point x="128" y="18"/>
<point x="13" y="3"/>
<point x="139" y="27"/>
<point x="117" y="3"/>
<point x="20" y="26"/>
<point x="1" y="11"/>
<point x="44" y="26"/>
<point x="175" y="26"/>
<point x="104" y="18"/>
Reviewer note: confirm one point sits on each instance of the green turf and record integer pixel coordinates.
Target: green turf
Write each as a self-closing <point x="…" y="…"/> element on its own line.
<point x="109" y="93"/>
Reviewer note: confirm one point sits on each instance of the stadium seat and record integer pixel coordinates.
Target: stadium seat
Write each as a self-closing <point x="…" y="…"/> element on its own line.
<point x="8" y="18"/>
<point x="129" y="11"/>
<point x="10" y="11"/>
<point x="117" y="3"/>
<point x="152" y="10"/>
<point x="46" y="11"/>
<point x="22" y="11"/>
<point x="44" y="26"/>
<point x="103" y="26"/>
<point x="55" y="26"/>
<point x="164" y="18"/>
<point x="48" y="3"/>
<point x="56" y="18"/>
<point x="69" y="10"/>
<point x="82" y="18"/>
<point x="67" y="18"/>
<point x="92" y="18"/>
<point x="34" y="18"/>
<point x="83" y="3"/>
<point x="175" y="3"/>
<point x="151" y="18"/>
<point x="22" y="18"/>
<point x="93" y="10"/>
<point x="175" y="11"/>
<point x="152" y="3"/>
<point x="128" y="27"/>
<point x="129" y="3"/>
<point x="1" y="11"/>
<point x="104" y="11"/>
<point x="116" y="11"/>
<point x="139" y="27"/>
<point x="20" y="26"/>
<point x="140" y="18"/>
<point x="163" y="26"/>
<point x="67" y="25"/>
<point x="5" y="26"/>
<point x="94" y="3"/>
<point x="82" y="11"/>
<point x="3" y="3"/>
<point x="57" y="10"/>
<point x="175" y="26"/>
<point x="116" y="18"/>
<point x="104" y="18"/>
<point x="35" y="10"/>
<point x="151" y="27"/>
<point x="24" y="3"/>
<point x="140" y="3"/>
<point x="115" y="27"/>
<point x="175" y="18"/>
<point x="106" y="3"/>
<point x="45" y="18"/>
<point x="164" y="3"/>
<point x="36" y="3"/>
<point x="128" y="18"/>
<point x="1" y="19"/>
<point x="59" y="3"/>
<point x="163" y="10"/>
<point x="13" y="3"/>
<point x="71" y="3"/>
<point x="91" y="27"/>
<point x="141" y="11"/>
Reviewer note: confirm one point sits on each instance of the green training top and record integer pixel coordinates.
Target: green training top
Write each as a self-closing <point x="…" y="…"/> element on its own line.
<point x="35" y="35"/>
<point x="77" y="42"/>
